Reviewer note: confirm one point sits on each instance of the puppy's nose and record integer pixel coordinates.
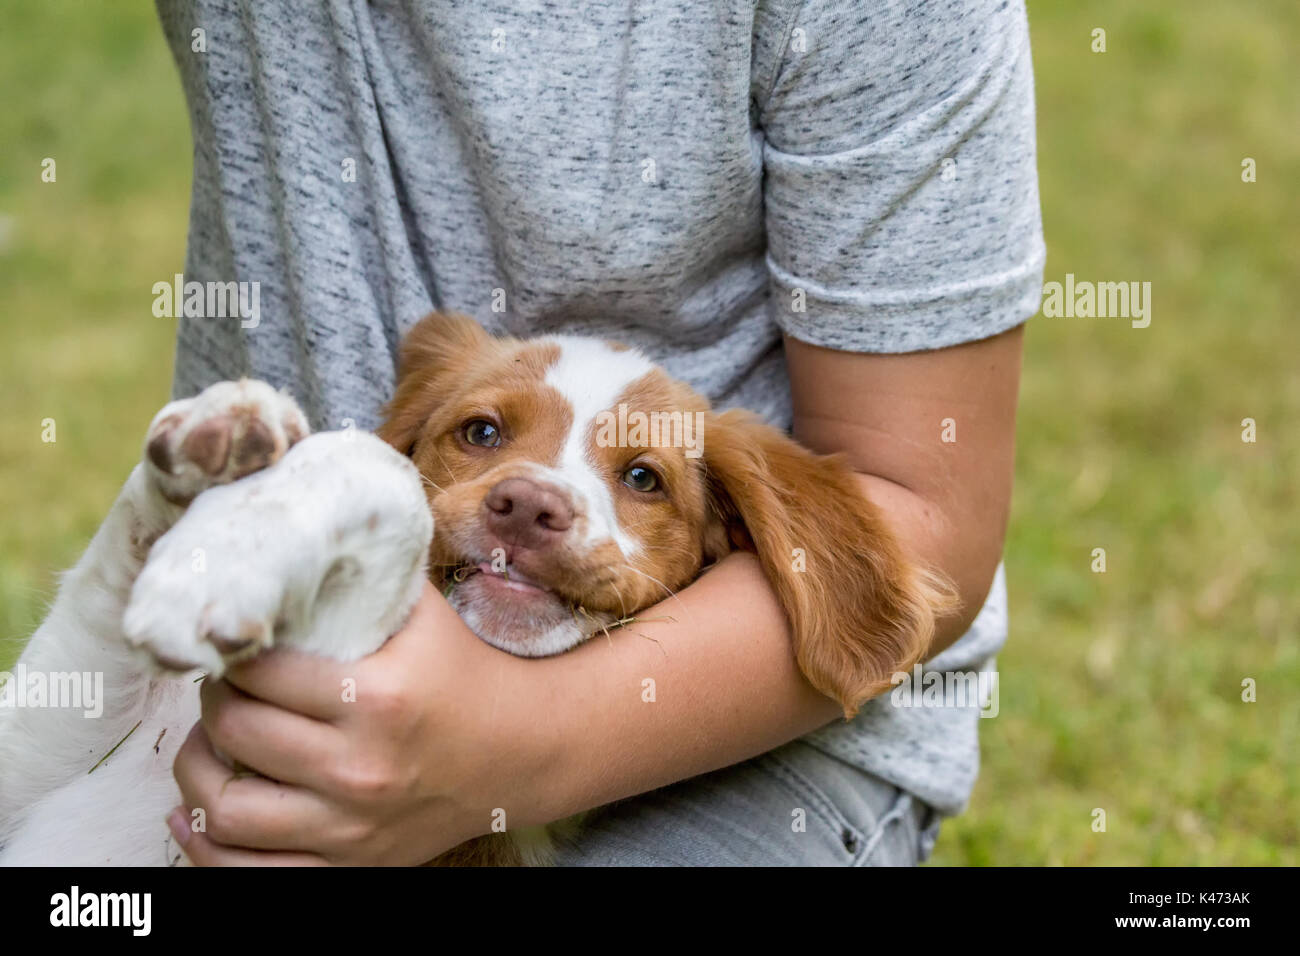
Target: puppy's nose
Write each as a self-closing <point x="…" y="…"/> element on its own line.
<point x="527" y="513"/>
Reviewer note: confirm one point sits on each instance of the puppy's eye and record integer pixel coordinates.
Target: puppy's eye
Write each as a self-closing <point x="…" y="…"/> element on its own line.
<point x="640" y="478"/>
<point x="480" y="432"/>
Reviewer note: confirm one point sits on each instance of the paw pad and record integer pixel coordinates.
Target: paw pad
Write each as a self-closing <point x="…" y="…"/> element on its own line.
<point x="229" y="430"/>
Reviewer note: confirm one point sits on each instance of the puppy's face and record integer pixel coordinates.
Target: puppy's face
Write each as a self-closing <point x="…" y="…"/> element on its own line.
<point x="550" y="520"/>
<point x="573" y="484"/>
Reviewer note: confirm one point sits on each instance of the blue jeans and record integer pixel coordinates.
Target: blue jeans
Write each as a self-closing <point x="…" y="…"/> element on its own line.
<point x="795" y="806"/>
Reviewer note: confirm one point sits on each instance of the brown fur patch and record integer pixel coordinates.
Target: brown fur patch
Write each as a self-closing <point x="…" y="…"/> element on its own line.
<point x="672" y="523"/>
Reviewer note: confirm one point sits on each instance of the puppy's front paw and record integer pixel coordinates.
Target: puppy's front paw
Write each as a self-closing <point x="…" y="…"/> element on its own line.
<point x="212" y="591"/>
<point x="227" y="431"/>
<point x="324" y="552"/>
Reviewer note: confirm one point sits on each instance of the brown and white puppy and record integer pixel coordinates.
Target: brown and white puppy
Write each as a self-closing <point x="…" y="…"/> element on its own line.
<point x="553" y="521"/>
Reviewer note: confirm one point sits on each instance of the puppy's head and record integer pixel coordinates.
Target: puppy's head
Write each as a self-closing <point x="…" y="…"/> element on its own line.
<point x="573" y="484"/>
<point x="548" y="525"/>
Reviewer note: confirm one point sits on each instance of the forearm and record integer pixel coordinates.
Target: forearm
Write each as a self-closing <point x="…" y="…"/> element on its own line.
<point x="725" y="688"/>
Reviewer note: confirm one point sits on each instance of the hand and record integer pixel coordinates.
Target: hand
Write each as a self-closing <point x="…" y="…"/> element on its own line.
<point x="434" y="735"/>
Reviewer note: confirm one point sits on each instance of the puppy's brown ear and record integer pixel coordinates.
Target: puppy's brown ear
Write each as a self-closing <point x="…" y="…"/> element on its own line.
<point x="435" y="353"/>
<point x="859" y="612"/>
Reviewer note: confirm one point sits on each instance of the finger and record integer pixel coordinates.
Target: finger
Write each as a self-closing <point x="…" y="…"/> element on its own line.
<point x="279" y="744"/>
<point x="320" y="688"/>
<point x="203" y="851"/>
<point x="249" y="812"/>
<point x="303" y="683"/>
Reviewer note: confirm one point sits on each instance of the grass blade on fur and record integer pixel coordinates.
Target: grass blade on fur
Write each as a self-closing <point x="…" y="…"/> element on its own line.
<point x="115" y="746"/>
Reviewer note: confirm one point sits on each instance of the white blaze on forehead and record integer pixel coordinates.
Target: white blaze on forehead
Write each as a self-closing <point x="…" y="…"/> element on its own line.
<point x="592" y="377"/>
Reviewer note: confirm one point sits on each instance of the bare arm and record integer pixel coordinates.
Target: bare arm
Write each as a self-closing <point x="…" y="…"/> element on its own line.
<point x="948" y="500"/>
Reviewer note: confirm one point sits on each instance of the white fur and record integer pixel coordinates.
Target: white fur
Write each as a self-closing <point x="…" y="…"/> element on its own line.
<point x="330" y="542"/>
<point x="592" y="376"/>
<point x="544" y="640"/>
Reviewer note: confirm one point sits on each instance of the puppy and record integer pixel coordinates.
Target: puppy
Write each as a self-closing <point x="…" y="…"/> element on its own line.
<point x="553" y="487"/>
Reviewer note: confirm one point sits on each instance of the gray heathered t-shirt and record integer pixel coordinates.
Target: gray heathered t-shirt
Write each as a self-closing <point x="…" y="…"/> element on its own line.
<point x="691" y="177"/>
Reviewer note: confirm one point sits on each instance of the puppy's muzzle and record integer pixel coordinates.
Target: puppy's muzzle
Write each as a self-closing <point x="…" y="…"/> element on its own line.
<point x="528" y="514"/>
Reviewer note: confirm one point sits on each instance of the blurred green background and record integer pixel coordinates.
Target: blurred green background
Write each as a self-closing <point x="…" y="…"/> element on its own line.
<point x="1120" y="691"/>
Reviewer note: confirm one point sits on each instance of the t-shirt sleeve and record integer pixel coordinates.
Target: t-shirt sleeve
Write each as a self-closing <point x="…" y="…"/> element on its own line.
<point x="901" y="186"/>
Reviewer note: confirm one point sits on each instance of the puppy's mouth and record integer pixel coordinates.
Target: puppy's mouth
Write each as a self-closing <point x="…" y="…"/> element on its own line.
<point x="506" y="583"/>
<point x="517" y="612"/>
<point x="508" y="579"/>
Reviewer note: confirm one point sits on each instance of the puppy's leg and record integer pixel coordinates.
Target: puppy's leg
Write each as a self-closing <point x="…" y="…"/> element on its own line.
<point x="229" y="430"/>
<point x="325" y="552"/>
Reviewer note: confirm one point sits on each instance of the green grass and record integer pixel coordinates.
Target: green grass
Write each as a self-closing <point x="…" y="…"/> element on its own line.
<point x="1119" y="691"/>
<point x="1122" y="691"/>
<point x="93" y="87"/>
